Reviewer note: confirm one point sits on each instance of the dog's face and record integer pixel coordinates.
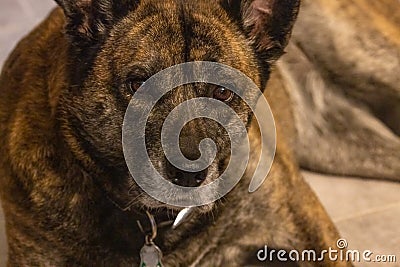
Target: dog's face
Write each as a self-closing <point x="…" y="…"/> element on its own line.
<point x="117" y="47"/>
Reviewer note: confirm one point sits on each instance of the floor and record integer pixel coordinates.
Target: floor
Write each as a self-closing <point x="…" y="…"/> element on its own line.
<point x="366" y="212"/>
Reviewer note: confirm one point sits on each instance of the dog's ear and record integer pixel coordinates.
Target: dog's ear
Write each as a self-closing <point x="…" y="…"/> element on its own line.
<point x="267" y="23"/>
<point x="89" y="20"/>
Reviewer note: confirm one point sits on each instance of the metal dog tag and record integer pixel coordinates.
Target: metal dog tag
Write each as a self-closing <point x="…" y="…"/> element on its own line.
<point x="150" y="256"/>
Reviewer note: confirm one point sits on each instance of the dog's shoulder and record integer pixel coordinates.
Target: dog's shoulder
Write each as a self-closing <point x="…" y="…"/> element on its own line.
<point x="30" y="83"/>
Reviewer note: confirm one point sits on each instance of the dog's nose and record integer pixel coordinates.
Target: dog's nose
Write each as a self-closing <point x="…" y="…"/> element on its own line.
<point x="185" y="178"/>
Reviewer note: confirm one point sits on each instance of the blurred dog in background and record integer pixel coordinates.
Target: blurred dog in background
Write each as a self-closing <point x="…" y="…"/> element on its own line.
<point x="341" y="72"/>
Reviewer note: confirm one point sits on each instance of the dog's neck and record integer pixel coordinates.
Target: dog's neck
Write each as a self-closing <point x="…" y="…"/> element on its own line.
<point x="163" y="221"/>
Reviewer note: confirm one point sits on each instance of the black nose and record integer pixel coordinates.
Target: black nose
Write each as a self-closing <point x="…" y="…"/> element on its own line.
<point x="184" y="178"/>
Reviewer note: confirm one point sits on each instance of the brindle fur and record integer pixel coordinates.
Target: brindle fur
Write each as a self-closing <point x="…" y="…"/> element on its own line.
<point x="64" y="184"/>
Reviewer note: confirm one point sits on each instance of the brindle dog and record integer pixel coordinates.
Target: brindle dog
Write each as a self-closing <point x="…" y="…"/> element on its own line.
<point x="64" y="184"/>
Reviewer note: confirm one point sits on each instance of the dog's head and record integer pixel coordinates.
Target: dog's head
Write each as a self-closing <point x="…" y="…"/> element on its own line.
<point x="115" y="46"/>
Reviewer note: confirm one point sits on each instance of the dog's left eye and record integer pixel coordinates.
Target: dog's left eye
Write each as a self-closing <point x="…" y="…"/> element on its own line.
<point x="223" y="94"/>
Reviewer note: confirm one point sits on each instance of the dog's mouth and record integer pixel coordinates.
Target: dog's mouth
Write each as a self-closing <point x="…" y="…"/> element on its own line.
<point x="150" y="193"/>
<point x="128" y="196"/>
<point x="169" y="217"/>
<point x="165" y="210"/>
<point x="141" y="202"/>
<point x="131" y="198"/>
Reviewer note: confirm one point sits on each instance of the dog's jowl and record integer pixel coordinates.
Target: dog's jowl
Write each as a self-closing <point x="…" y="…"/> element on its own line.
<point x="67" y="193"/>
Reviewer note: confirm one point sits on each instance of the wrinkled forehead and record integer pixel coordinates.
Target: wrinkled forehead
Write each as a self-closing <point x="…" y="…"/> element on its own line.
<point x="161" y="34"/>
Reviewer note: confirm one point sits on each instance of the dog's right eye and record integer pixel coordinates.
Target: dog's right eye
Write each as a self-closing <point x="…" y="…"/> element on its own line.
<point x="134" y="84"/>
<point x="223" y="94"/>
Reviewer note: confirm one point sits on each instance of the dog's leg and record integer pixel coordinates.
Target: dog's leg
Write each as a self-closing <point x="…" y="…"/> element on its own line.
<point x="284" y="213"/>
<point x="356" y="44"/>
<point x="334" y="134"/>
<point x="287" y="215"/>
<point x="340" y="74"/>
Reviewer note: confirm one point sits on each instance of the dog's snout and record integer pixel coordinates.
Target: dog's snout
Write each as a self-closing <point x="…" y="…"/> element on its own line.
<point x="185" y="178"/>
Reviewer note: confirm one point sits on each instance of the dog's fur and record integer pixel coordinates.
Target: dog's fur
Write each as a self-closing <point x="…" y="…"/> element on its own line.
<point x="341" y="73"/>
<point x="64" y="90"/>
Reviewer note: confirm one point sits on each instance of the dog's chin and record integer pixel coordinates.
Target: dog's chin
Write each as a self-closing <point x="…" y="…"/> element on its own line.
<point x="144" y="202"/>
<point x="154" y="206"/>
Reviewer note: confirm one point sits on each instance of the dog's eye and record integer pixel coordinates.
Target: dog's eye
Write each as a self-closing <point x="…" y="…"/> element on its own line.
<point x="134" y="84"/>
<point x="223" y="94"/>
